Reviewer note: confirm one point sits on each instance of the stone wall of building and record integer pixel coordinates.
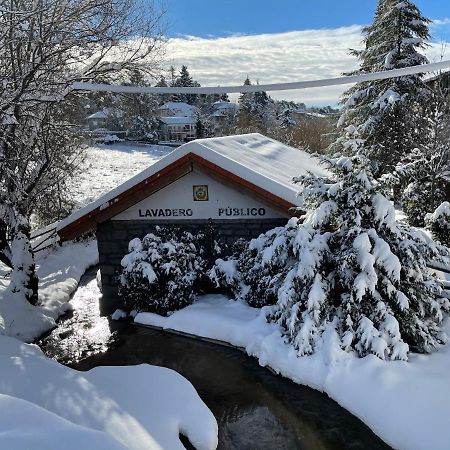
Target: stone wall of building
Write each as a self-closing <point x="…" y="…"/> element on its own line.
<point x="113" y="238"/>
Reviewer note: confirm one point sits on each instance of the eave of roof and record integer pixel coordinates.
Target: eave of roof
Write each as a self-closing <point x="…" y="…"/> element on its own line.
<point x="135" y="193"/>
<point x="241" y="170"/>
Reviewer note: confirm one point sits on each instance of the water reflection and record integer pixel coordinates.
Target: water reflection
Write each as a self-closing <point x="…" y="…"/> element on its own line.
<point x="255" y="409"/>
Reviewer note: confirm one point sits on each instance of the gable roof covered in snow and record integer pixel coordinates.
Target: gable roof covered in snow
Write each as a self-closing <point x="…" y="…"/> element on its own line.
<point x="177" y="120"/>
<point x="255" y="162"/>
<point x="178" y="109"/>
<point x="222" y="104"/>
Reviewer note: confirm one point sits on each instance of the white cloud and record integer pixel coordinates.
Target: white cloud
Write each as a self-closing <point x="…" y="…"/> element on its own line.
<point x="273" y="58"/>
<point x="440" y="22"/>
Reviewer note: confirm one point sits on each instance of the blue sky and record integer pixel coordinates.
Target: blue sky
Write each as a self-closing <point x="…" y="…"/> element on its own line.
<point x="275" y="41"/>
<point x="218" y="18"/>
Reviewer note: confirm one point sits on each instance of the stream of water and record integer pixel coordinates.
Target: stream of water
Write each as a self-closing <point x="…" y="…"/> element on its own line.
<point x="255" y="409"/>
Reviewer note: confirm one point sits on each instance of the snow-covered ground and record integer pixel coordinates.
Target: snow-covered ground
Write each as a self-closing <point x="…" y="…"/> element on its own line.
<point x="47" y="406"/>
<point x="59" y="271"/>
<point x="108" y="166"/>
<point x="406" y="403"/>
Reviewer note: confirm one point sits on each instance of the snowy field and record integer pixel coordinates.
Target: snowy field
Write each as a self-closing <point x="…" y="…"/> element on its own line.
<point x="395" y="399"/>
<point x="107" y="166"/>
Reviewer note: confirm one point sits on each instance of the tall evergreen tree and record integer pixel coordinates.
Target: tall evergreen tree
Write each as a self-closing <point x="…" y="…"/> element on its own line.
<point x="139" y="111"/>
<point x="163" y="98"/>
<point x="424" y="174"/>
<point x="348" y="265"/>
<point x="386" y="112"/>
<point x="245" y="108"/>
<point x="184" y="79"/>
<point x="256" y="111"/>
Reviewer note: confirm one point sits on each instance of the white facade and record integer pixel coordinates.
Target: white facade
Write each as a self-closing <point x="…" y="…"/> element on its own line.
<point x="177" y="129"/>
<point x="219" y="202"/>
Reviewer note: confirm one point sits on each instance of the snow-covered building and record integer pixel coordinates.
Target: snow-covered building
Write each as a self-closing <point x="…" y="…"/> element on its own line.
<point x="177" y="109"/>
<point x="177" y="122"/>
<point x="223" y="110"/>
<point x="240" y="184"/>
<point x="97" y="120"/>
<point x="105" y="125"/>
<point x="301" y="113"/>
<point x="177" y="129"/>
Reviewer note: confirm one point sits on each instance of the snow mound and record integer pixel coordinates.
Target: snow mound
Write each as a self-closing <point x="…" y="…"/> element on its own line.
<point x="137" y="407"/>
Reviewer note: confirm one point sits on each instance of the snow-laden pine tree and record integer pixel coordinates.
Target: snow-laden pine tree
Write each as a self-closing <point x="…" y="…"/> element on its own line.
<point x="246" y="100"/>
<point x="439" y="223"/>
<point x="348" y="264"/>
<point x="387" y="113"/>
<point x="184" y="79"/>
<point x="256" y="111"/>
<point x="138" y="112"/>
<point x="425" y="171"/>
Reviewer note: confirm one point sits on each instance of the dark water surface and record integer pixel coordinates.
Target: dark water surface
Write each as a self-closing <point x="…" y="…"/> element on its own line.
<point x="255" y="409"/>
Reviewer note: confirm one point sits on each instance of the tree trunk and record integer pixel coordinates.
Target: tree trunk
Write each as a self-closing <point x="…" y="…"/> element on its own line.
<point x="23" y="276"/>
<point x="5" y="251"/>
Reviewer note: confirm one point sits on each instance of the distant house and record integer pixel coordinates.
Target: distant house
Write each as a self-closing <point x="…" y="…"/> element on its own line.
<point x="106" y="125"/>
<point x="301" y="113"/>
<point x="177" y="109"/>
<point x="97" y="120"/>
<point x="223" y="110"/>
<point x="177" y="122"/>
<point x="177" y="129"/>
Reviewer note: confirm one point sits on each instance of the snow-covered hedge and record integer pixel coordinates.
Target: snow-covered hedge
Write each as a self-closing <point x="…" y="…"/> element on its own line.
<point x="160" y="271"/>
<point x="439" y="223"/>
<point x="166" y="269"/>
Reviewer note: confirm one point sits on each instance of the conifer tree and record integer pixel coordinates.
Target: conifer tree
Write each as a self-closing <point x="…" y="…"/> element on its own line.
<point x="184" y="79"/>
<point x="349" y="265"/>
<point x="425" y="172"/>
<point x="387" y="113"/>
<point x="138" y="111"/>
<point x="245" y="108"/>
<point x="163" y="98"/>
<point x="256" y="111"/>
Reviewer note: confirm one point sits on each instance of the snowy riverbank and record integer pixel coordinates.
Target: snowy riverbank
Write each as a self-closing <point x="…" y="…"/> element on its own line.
<point x="405" y="403"/>
<point x="59" y="270"/>
<point x="47" y="406"/>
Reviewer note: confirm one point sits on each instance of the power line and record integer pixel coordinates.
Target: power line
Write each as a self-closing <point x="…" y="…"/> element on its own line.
<point x="433" y="67"/>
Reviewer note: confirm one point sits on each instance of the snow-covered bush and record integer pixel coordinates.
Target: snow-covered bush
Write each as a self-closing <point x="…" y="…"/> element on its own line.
<point x="256" y="271"/>
<point x="160" y="272"/>
<point x="439" y="223"/>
